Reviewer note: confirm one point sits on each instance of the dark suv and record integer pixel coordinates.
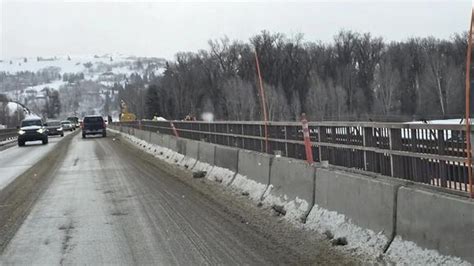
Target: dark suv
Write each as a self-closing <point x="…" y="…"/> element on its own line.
<point x="92" y="125"/>
<point x="32" y="129"/>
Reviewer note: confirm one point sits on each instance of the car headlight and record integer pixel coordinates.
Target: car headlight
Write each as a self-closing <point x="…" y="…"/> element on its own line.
<point x="60" y="129"/>
<point x="41" y="130"/>
<point x="21" y="132"/>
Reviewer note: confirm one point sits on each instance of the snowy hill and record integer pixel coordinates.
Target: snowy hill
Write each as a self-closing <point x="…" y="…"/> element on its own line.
<point x="32" y="81"/>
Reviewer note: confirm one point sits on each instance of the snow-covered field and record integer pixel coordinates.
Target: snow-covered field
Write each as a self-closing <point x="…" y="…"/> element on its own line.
<point x="360" y="241"/>
<point x="120" y="64"/>
<point x="74" y="65"/>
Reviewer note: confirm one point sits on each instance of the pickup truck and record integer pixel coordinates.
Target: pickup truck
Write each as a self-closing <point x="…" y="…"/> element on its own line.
<point x="32" y="129"/>
<point x="93" y="125"/>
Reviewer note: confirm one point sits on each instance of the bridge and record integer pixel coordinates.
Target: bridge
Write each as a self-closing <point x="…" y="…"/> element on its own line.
<point x="423" y="153"/>
<point x="391" y="182"/>
<point x="210" y="186"/>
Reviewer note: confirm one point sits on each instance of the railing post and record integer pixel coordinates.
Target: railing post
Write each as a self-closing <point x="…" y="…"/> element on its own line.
<point x="320" y="152"/>
<point x="242" y="134"/>
<point x="366" y="131"/>
<point x="395" y="142"/>
<point x="286" y="141"/>
<point x="442" y="171"/>
<point x="227" y="132"/>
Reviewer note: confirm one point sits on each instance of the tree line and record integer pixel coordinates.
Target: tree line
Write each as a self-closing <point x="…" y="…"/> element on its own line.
<point x="355" y="77"/>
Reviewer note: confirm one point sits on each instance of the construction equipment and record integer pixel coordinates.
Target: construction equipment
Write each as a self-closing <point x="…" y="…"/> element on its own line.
<point x="125" y="115"/>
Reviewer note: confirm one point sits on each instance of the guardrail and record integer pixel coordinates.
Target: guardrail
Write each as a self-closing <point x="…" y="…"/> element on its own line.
<point x="425" y="153"/>
<point x="6" y="134"/>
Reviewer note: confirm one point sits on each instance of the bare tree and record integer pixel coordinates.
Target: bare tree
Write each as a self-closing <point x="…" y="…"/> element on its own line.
<point x="387" y="93"/>
<point x="240" y="99"/>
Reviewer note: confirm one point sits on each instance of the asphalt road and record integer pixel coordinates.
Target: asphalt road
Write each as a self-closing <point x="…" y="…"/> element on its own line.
<point x="105" y="204"/>
<point x="16" y="160"/>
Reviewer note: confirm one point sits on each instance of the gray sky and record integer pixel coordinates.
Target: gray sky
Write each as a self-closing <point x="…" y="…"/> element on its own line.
<point x="163" y="28"/>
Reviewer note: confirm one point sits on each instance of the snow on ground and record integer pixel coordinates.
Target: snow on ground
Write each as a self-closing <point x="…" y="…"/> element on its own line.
<point x="360" y="241"/>
<point x="75" y="65"/>
<point x="12" y="107"/>
<point x="221" y="175"/>
<point x="408" y="253"/>
<point x="457" y="121"/>
<point x="7" y="141"/>
<point x="53" y="85"/>
<point x="255" y="189"/>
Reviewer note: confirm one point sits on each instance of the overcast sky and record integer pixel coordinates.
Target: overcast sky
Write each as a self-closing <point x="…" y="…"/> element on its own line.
<point x="161" y="29"/>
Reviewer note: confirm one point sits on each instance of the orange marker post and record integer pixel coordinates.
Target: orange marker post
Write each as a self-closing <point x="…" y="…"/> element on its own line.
<point x="307" y="140"/>
<point x="174" y="130"/>
<point x="468" y="107"/>
<point x="264" y="104"/>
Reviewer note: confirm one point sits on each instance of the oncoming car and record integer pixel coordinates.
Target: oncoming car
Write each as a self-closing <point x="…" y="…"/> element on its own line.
<point x="74" y="121"/>
<point x="67" y="125"/>
<point x="54" y="127"/>
<point x="32" y="129"/>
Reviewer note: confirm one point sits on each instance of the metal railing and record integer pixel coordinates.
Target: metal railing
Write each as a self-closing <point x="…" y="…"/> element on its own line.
<point x="424" y="153"/>
<point x="6" y="134"/>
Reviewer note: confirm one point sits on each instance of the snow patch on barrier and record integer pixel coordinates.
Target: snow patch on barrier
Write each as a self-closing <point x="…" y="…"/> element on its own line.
<point x="365" y="242"/>
<point x="187" y="162"/>
<point x="408" y="253"/>
<point x="221" y="175"/>
<point x="253" y="188"/>
<point x="359" y="240"/>
<point x="295" y="209"/>
<point x="200" y="166"/>
<point x="7" y="141"/>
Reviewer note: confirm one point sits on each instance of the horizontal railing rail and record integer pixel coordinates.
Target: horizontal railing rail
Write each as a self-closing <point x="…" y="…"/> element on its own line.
<point x="433" y="154"/>
<point x="6" y="134"/>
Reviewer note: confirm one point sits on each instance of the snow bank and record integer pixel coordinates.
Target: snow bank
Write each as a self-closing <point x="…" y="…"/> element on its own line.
<point x="359" y="240"/>
<point x="254" y="189"/>
<point x="408" y="253"/>
<point x="365" y="242"/>
<point x="221" y="175"/>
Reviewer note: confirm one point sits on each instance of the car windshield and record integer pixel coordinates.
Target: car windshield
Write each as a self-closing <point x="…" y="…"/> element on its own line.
<point x="28" y="123"/>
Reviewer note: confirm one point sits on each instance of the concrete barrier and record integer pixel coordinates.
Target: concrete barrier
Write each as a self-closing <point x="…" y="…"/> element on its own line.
<point x="292" y="178"/>
<point x="368" y="202"/>
<point x="173" y="143"/>
<point x="142" y="134"/>
<point x="166" y="140"/>
<point x="192" y="148"/>
<point x="207" y="152"/>
<point x="227" y="157"/>
<point x="156" y="139"/>
<point x="181" y="145"/>
<point x="437" y="221"/>
<point x="255" y="166"/>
